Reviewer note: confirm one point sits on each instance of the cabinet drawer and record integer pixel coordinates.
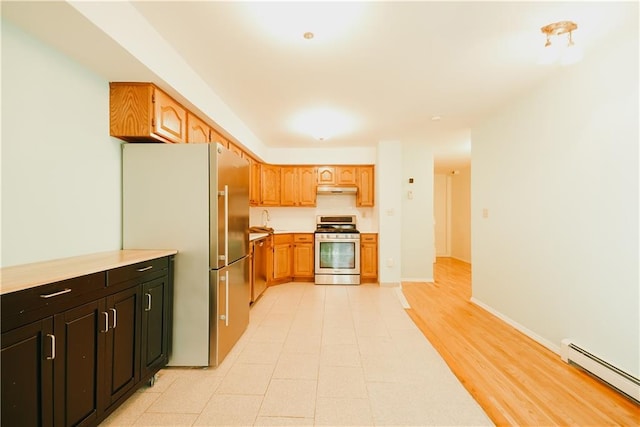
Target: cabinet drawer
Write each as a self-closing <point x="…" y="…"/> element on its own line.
<point x="303" y="238"/>
<point x="135" y="271"/>
<point x="279" y="239"/>
<point x="29" y="305"/>
<point x="368" y="238"/>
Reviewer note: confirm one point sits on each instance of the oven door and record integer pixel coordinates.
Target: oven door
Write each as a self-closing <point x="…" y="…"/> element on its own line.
<point x="337" y="255"/>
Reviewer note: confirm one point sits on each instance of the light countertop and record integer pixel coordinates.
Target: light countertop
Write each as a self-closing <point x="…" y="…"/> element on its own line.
<point x="257" y="236"/>
<point x="19" y="277"/>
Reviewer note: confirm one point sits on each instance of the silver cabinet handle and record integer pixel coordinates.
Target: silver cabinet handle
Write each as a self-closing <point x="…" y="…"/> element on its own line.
<point x="55" y="294"/>
<point x="106" y="321"/>
<point x="115" y="322"/>
<point x="53" y="347"/>
<point x="140" y="270"/>
<point x="148" y="308"/>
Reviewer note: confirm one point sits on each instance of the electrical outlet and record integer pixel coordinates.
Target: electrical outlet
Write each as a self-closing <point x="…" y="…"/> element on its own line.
<point x="390" y="262"/>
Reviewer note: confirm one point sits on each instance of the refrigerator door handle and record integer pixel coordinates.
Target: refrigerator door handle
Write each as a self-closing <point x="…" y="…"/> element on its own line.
<point x="226" y="228"/>
<point x="225" y="316"/>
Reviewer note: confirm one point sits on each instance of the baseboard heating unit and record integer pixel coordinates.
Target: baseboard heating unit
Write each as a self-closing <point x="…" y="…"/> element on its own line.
<point x="616" y="378"/>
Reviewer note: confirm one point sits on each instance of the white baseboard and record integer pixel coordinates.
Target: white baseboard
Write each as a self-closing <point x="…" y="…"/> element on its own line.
<point x="403" y="301"/>
<point x="389" y="284"/>
<point x="537" y="338"/>
<point x="418" y="279"/>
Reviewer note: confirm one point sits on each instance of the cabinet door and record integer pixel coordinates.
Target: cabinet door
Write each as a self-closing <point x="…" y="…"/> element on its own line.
<point x="365" y="175"/>
<point x="306" y="188"/>
<point x="282" y="261"/>
<point x="79" y="364"/>
<point x="270" y="188"/>
<point x="288" y="184"/>
<point x="197" y="130"/>
<point x="345" y="175"/>
<point x="216" y="138"/>
<point x="326" y="175"/>
<point x="235" y="149"/>
<point x="155" y="337"/>
<point x="26" y="373"/>
<point x="122" y="362"/>
<point x="282" y="256"/>
<point x="254" y="182"/>
<point x="303" y="260"/>
<point x="369" y="256"/>
<point x="169" y="117"/>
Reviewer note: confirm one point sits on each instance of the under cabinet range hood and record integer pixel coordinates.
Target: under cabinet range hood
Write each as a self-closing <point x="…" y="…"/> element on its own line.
<point x="327" y="189"/>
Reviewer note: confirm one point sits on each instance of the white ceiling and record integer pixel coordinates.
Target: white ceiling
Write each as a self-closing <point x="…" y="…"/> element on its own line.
<point x="393" y="67"/>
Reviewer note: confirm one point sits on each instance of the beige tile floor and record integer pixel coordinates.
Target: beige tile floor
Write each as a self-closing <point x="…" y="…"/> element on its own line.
<point x="314" y="355"/>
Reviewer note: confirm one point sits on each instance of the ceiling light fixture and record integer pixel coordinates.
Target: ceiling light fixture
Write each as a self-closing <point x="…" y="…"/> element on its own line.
<point x="559" y="52"/>
<point x="557" y="29"/>
<point x="323" y="123"/>
<point x="308" y="35"/>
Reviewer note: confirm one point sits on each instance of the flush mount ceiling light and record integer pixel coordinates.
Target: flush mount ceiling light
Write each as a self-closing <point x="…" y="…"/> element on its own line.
<point x="557" y="29"/>
<point x="322" y="123"/>
<point x="320" y="21"/>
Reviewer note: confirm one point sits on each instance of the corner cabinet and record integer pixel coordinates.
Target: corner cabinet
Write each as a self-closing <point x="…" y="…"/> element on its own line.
<point x="140" y="112"/>
<point x="73" y="351"/>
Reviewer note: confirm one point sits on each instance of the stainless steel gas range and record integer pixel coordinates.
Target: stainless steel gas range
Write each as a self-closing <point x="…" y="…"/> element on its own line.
<point x="337" y="250"/>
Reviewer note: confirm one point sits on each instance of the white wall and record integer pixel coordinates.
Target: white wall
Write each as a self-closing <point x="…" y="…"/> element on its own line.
<point x="418" y="245"/>
<point x="442" y="214"/>
<point x="389" y="205"/>
<point x="60" y="169"/>
<point x="320" y="156"/>
<point x="303" y="220"/>
<point x="558" y="172"/>
<point x="461" y="214"/>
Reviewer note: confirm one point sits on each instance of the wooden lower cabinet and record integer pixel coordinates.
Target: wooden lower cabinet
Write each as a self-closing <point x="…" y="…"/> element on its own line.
<point x="303" y="260"/>
<point x="368" y="257"/>
<point x="79" y="364"/>
<point x="75" y="366"/>
<point x="282" y="250"/>
<point x="122" y="361"/>
<point x="27" y="375"/>
<point x="156" y="318"/>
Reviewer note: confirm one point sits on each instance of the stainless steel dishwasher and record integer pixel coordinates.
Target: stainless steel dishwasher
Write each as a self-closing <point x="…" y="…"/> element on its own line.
<point x="259" y="269"/>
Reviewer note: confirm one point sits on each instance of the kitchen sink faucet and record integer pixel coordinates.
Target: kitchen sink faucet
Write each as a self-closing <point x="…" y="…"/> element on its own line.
<point x="265" y="221"/>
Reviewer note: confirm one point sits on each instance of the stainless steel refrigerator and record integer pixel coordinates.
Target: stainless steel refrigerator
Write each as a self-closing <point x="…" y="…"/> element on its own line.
<point x="193" y="198"/>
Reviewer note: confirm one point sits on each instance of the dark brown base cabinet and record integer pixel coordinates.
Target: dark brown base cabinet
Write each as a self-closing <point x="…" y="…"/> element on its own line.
<point x="88" y="352"/>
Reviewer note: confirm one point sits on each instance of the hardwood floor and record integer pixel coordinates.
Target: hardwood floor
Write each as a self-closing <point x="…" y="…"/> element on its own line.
<point x="516" y="380"/>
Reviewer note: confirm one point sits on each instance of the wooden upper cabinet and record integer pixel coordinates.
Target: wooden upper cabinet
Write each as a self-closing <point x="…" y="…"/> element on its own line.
<point x="235" y="149"/>
<point x="269" y="185"/>
<point x="306" y="177"/>
<point x="288" y="184"/>
<point x="197" y="130"/>
<point x="366" y="186"/>
<point x="170" y="118"/>
<point x="326" y="175"/>
<point x="297" y="186"/>
<point x="336" y="175"/>
<point x="345" y="175"/>
<point x="140" y="112"/>
<point x="216" y="138"/>
<point x="254" y="182"/>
